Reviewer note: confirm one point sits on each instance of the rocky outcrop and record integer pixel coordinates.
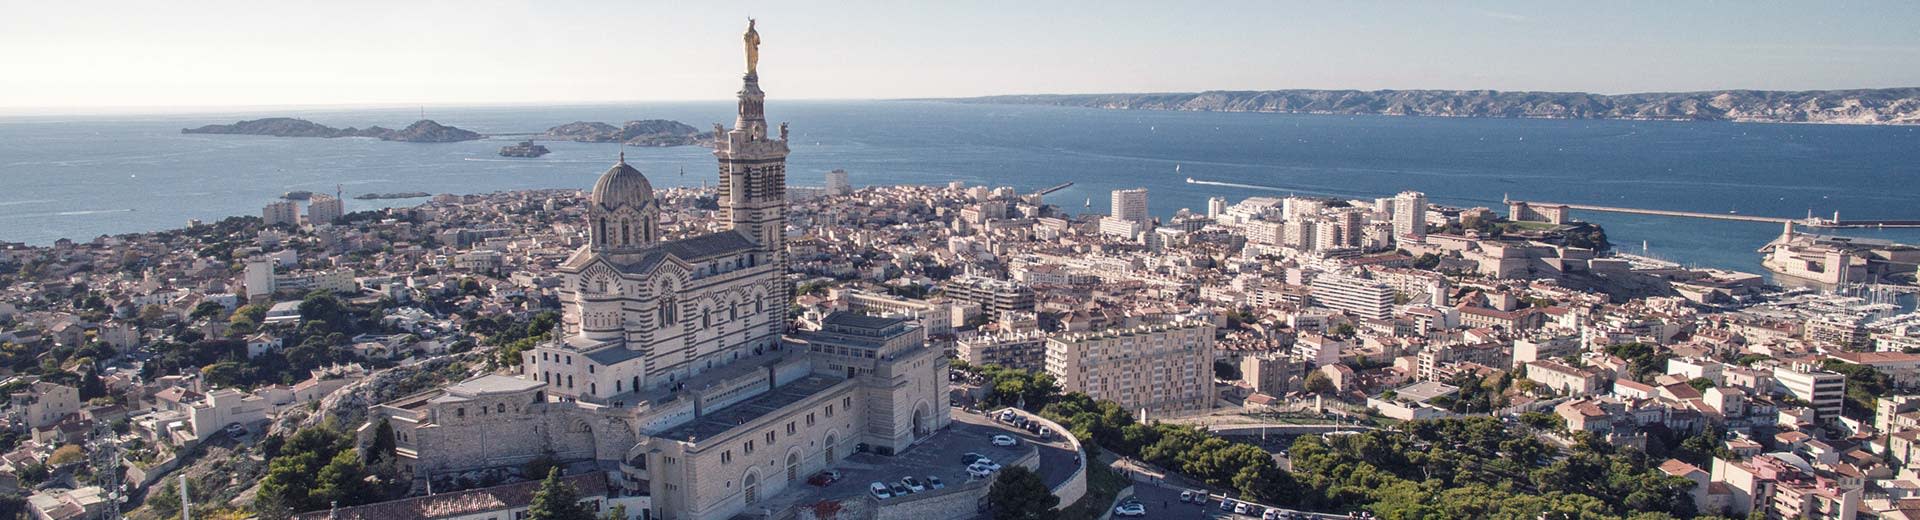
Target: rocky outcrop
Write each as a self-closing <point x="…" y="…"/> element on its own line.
<point x="649" y="132"/>
<point x="347" y="406"/>
<point x="1860" y="106"/>
<point x="422" y="131"/>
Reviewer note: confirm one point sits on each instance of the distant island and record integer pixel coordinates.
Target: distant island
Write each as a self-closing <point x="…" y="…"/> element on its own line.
<point x="526" y="149"/>
<point x="1859" y="106"/>
<point x="649" y="132"/>
<point x="422" y="131"/>
<point x="397" y="195"/>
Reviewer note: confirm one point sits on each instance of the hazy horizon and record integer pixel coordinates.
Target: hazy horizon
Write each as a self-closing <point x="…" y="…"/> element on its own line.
<point x="133" y="57"/>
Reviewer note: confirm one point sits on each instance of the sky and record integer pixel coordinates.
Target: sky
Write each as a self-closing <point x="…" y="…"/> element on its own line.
<point x="86" y="54"/>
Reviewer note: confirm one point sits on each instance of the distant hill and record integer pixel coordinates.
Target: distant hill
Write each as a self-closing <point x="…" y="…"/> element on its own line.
<point x="648" y="132"/>
<point x="1860" y="106"/>
<point x="422" y="131"/>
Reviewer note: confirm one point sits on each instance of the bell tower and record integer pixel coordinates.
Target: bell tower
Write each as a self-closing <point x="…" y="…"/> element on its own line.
<point x="753" y="168"/>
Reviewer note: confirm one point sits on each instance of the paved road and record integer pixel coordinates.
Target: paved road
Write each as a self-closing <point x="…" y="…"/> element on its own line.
<point x="1161" y="494"/>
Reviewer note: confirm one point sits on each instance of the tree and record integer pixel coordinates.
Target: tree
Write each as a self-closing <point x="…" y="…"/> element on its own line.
<point x="288" y="485"/>
<point x="1225" y="370"/>
<point x="66" y="454"/>
<point x="557" y="500"/>
<point x="343" y="481"/>
<point x="1019" y="494"/>
<point x="91" y="386"/>
<point x="152" y="315"/>
<point x="1700" y="383"/>
<point x="1318" y="383"/>
<point x="383" y="445"/>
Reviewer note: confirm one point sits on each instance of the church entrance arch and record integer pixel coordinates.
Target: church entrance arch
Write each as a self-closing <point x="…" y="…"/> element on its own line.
<point x="922" y="421"/>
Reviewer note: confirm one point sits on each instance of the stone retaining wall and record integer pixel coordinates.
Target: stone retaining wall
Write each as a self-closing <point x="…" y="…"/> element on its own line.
<point x="1075" y="486"/>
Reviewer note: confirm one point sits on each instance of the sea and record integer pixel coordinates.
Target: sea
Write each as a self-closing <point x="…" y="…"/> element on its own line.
<point x="87" y="175"/>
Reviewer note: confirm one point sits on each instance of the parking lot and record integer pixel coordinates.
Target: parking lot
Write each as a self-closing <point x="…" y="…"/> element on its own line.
<point x="938" y="456"/>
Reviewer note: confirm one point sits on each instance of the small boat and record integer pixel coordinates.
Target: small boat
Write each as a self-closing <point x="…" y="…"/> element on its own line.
<point x="1089" y="202"/>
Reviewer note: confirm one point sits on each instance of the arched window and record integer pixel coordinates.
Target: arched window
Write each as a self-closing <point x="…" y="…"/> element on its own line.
<point x="829" y="457"/>
<point x="625" y="238"/>
<point x="600" y="234"/>
<point x="753" y="488"/>
<point x="667" y="311"/>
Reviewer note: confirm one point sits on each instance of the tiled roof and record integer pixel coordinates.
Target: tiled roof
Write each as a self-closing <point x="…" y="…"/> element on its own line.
<point x="497" y="498"/>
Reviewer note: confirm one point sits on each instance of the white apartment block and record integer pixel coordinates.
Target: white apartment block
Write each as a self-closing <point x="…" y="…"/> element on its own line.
<point x="1357" y="296"/>
<point x="1163" y="369"/>
<point x="1826" y="391"/>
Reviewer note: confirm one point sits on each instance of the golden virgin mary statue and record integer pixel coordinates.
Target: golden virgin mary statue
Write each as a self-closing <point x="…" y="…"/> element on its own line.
<point x="753" y="47"/>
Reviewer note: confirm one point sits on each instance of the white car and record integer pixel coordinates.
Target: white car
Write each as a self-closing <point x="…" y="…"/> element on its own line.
<point x="1004" y="440"/>
<point x="979" y="472"/>
<point x="880" y="491"/>
<point x="913" y="484"/>
<point x="989" y="464"/>
<point x="1130" y="509"/>
<point x="1240" y="508"/>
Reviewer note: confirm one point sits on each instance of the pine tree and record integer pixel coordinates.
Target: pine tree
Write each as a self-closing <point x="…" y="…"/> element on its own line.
<point x="383" y="445"/>
<point x="557" y="500"/>
<point x="1019" y="494"/>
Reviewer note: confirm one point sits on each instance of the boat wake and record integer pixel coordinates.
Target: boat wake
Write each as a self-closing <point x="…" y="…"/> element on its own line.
<point x="93" y="212"/>
<point x="1191" y="180"/>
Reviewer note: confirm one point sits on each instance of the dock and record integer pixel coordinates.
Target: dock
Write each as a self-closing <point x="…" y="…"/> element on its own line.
<point x="1057" y="187"/>
<point x="1814" y="222"/>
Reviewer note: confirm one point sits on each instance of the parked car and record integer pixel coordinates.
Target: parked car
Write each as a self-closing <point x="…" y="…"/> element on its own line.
<point x="1226" y="504"/>
<point x="824" y="478"/>
<point x="880" y="491"/>
<point x="970" y="458"/>
<point x="900" y="491"/>
<point x="987" y="463"/>
<point x="1004" y="440"/>
<point x="1046" y="434"/>
<point x="979" y="472"/>
<point x="1187" y="496"/>
<point x="1271" y="514"/>
<point x="934" y="482"/>
<point x="1240" y="508"/>
<point x="236" y="430"/>
<point x="914" y="484"/>
<point x="1130" y="509"/>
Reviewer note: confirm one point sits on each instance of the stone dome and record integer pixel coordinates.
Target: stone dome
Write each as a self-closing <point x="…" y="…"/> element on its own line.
<point x="622" y="185"/>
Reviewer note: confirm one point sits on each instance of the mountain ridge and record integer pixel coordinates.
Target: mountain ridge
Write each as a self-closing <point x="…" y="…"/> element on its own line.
<point x="1893" y="106"/>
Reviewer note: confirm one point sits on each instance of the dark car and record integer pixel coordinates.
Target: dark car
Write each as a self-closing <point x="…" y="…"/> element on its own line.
<point x="824" y="478"/>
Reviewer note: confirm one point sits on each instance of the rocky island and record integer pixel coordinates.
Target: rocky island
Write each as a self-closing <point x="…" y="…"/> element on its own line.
<point x="648" y="132"/>
<point x="526" y="149"/>
<point x="422" y="131"/>
<point x="1859" y="106"/>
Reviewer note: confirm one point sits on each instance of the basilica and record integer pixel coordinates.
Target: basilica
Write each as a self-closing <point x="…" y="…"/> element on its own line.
<point x="674" y="371"/>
